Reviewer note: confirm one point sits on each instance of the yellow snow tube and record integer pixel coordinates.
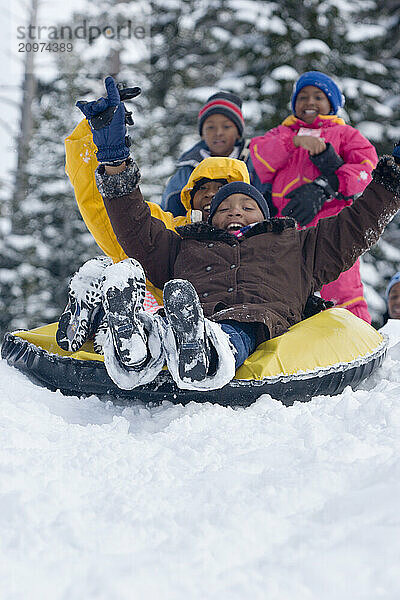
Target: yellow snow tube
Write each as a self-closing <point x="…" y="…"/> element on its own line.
<point x="320" y="355"/>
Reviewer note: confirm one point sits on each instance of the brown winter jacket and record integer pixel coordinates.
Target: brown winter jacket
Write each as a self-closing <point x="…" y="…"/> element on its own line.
<point x="267" y="276"/>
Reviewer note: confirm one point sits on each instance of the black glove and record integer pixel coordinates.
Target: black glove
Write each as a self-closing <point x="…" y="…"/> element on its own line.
<point x="315" y="305"/>
<point x="273" y="211"/>
<point x="307" y="200"/>
<point x="328" y="162"/>
<point x="396" y="153"/>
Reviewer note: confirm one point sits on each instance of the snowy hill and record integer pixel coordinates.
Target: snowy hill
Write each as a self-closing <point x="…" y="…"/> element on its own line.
<point x="201" y="502"/>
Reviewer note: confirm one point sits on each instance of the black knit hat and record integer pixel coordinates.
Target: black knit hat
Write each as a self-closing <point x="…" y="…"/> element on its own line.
<point x="223" y="103"/>
<point x="238" y="187"/>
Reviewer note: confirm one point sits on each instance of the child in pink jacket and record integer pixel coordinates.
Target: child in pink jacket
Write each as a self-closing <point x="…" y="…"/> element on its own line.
<point x="316" y="165"/>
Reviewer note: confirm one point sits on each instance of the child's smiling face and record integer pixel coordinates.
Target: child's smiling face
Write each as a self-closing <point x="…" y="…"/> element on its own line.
<point x="220" y="134"/>
<point x="394" y="302"/>
<point x="237" y="211"/>
<point x="203" y="196"/>
<point x="311" y="102"/>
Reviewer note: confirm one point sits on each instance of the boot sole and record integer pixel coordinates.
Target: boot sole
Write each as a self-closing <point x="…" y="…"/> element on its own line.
<point x="185" y="316"/>
<point x="123" y="300"/>
<point x="75" y="325"/>
<point x="78" y="321"/>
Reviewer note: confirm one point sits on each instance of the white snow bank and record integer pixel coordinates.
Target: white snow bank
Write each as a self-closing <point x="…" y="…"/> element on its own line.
<point x="202" y="502"/>
<point x="392" y="330"/>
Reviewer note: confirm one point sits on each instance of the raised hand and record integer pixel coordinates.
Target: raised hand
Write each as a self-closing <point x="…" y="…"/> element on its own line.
<point x="107" y="118"/>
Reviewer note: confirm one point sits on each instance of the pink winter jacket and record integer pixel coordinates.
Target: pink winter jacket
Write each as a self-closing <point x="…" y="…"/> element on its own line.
<point x="279" y="162"/>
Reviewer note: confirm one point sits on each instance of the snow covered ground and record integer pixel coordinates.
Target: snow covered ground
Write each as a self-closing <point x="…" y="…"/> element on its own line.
<point x="201" y="502"/>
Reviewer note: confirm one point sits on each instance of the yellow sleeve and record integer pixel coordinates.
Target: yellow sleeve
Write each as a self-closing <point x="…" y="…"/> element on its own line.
<point x="80" y="166"/>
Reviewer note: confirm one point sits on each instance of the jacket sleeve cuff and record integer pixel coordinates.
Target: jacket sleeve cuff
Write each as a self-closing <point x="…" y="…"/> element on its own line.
<point x="387" y="173"/>
<point x="119" y="184"/>
<point x="327" y="161"/>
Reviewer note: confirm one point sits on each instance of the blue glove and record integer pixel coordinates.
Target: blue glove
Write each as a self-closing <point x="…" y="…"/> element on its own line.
<point x="396" y="153"/>
<point x="307" y="200"/>
<point x="107" y="120"/>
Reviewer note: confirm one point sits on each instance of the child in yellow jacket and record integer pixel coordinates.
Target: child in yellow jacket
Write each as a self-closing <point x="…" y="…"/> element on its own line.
<point x="79" y="321"/>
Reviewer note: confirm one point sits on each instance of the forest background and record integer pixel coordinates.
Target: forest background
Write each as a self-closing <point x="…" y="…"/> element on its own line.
<point x="179" y="52"/>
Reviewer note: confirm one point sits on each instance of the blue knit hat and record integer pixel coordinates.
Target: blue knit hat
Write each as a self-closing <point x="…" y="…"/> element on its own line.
<point x="395" y="279"/>
<point x="324" y="83"/>
<point x="238" y="187"/>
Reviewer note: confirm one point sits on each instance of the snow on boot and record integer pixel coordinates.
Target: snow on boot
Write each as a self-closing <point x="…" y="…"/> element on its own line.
<point x="150" y="305"/>
<point x="128" y="378"/>
<point x="80" y="317"/>
<point x="185" y="316"/>
<point x="221" y="373"/>
<point x="124" y="289"/>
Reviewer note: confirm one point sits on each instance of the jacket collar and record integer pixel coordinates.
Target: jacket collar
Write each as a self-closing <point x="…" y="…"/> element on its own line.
<point x="194" y="155"/>
<point x="319" y="121"/>
<point x="204" y="231"/>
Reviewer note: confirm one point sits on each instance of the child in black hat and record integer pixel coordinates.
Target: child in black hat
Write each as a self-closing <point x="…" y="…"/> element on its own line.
<point x="200" y="354"/>
<point x="221" y="126"/>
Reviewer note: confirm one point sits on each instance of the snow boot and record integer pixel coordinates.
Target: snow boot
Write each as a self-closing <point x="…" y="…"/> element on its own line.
<point x="150" y="305"/>
<point x="185" y="316"/>
<point x="100" y="332"/>
<point x="220" y="373"/>
<point x="128" y="378"/>
<point x="83" y="312"/>
<point x="124" y="289"/>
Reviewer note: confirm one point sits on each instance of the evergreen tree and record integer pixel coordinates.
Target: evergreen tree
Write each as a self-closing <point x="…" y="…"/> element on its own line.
<point x="384" y="259"/>
<point x="190" y="50"/>
<point x="48" y="240"/>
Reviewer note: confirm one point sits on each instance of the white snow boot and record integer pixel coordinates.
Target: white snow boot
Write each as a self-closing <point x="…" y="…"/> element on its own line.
<point x="188" y="338"/>
<point x="83" y="312"/>
<point x="128" y="378"/>
<point x="124" y="289"/>
<point x="185" y="316"/>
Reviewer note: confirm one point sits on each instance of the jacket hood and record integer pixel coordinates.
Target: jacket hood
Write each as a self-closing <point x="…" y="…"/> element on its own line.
<point x="215" y="167"/>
